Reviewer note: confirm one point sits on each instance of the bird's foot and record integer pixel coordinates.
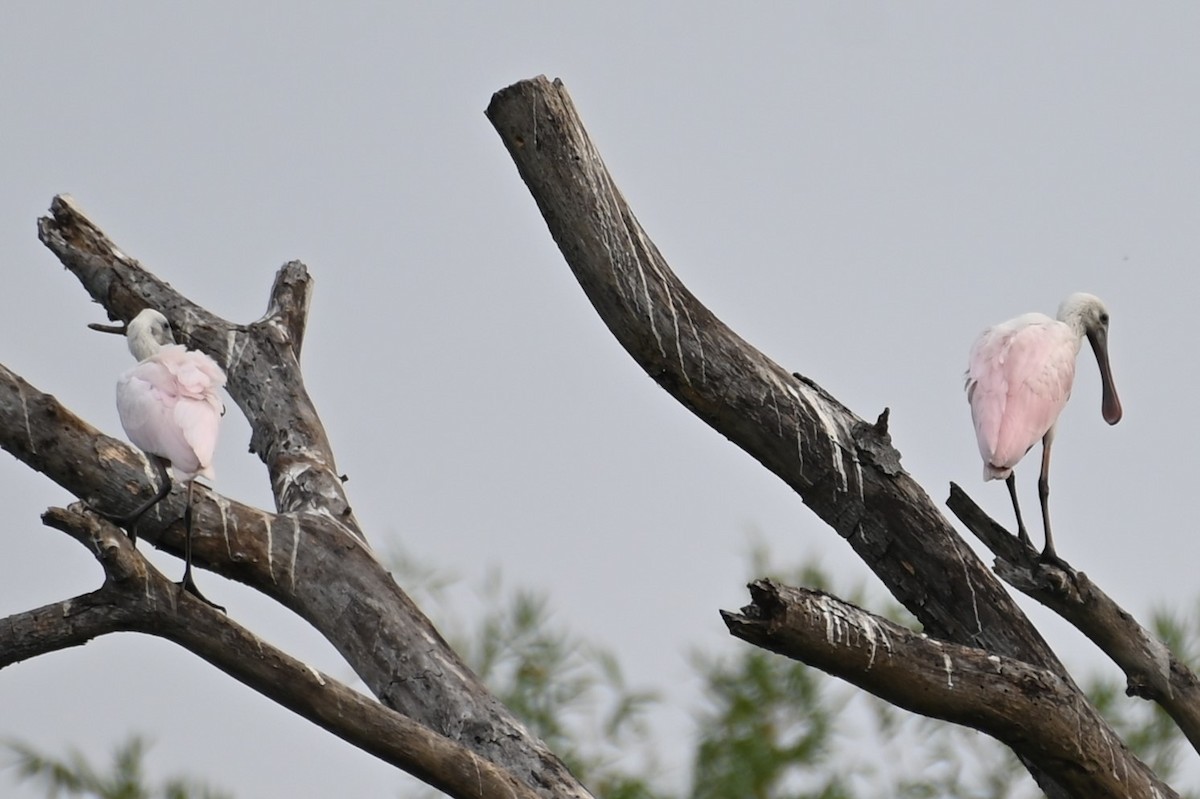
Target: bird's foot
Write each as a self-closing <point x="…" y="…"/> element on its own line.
<point x="128" y="521"/>
<point x="189" y="585"/>
<point x="1023" y="536"/>
<point x="1050" y="558"/>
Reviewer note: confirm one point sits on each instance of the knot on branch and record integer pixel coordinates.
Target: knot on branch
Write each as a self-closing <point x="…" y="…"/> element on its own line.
<point x="875" y="445"/>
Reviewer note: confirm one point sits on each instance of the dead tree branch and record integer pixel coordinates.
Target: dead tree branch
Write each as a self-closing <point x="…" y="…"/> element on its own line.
<point x="844" y="468"/>
<point x="312" y="555"/>
<point x="136" y="597"/>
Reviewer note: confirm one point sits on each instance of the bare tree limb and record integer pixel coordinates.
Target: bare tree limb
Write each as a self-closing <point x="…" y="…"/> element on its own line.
<point x="966" y="685"/>
<point x="137" y="598"/>
<point x="311" y="556"/>
<point x="59" y="625"/>
<point x="1152" y="671"/>
<point x="844" y="468"/>
<point x="304" y="560"/>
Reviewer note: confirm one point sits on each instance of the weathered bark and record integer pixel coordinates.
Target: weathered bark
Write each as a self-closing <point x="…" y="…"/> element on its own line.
<point x="844" y="468"/>
<point x="312" y="555"/>
<point x="966" y="685"/>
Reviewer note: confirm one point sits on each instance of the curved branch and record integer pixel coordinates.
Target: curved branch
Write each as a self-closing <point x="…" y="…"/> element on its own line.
<point x="948" y="681"/>
<point x="59" y="625"/>
<point x="1152" y="670"/>
<point x="844" y="468"/>
<point x="137" y="598"/>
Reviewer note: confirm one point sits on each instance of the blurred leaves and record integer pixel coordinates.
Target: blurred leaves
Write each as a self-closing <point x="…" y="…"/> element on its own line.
<point x="572" y="693"/>
<point x="768" y="727"/>
<point x="75" y="775"/>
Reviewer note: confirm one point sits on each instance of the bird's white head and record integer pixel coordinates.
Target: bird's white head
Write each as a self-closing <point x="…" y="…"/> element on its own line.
<point x="147" y="333"/>
<point x="1083" y="312"/>
<point x="1087" y="316"/>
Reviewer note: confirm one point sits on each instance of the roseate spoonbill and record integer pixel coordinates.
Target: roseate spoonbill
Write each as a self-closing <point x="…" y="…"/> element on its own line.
<point x="169" y="408"/>
<point x="1018" y="381"/>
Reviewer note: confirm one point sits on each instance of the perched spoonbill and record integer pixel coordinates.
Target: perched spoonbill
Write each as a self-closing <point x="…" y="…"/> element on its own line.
<point x="1018" y="381"/>
<point x="169" y="408"/>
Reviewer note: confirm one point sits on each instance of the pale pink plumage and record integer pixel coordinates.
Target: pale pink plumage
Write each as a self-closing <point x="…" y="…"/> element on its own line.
<point x="168" y="403"/>
<point x="1019" y="378"/>
<point x="169" y="407"/>
<point x="1018" y="381"/>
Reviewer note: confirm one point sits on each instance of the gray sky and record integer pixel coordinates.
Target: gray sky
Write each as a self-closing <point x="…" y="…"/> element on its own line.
<point x="857" y="190"/>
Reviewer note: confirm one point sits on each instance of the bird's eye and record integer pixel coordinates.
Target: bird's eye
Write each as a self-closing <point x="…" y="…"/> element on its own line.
<point x="1104" y="319"/>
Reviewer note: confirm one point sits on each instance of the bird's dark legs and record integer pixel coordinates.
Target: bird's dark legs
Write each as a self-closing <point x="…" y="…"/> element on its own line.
<point x="1011" y="482"/>
<point x="1048" y="554"/>
<point x="187" y="583"/>
<point x="129" y="520"/>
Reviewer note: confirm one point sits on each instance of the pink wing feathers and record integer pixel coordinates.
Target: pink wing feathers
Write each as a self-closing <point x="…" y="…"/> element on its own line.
<point x="169" y="407"/>
<point x="1018" y="381"/>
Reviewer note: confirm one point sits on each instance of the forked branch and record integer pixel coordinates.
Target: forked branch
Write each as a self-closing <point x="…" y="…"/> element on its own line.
<point x="136" y="597"/>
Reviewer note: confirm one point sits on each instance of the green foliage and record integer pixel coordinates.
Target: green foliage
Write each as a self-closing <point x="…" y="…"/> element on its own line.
<point x="769" y="728"/>
<point x="571" y="693"/>
<point x="75" y="775"/>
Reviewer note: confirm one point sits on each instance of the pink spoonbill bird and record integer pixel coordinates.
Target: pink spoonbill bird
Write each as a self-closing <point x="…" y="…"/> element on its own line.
<point x="1018" y="381"/>
<point x="169" y="408"/>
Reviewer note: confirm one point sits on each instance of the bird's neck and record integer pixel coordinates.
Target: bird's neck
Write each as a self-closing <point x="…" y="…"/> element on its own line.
<point x="1074" y="320"/>
<point x="143" y="347"/>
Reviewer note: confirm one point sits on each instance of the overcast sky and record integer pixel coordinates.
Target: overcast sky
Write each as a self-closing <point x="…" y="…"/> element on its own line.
<point x="856" y="189"/>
